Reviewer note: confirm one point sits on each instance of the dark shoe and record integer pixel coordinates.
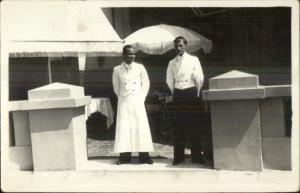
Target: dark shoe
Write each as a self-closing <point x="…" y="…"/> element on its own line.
<point x="148" y="161"/>
<point x="122" y="162"/>
<point x="176" y="162"/>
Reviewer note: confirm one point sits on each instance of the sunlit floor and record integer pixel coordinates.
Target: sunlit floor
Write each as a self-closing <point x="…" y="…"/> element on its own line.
<point x="101" y="174"/>
<point x="100" y="144"/>
<point x="101" y="151"/>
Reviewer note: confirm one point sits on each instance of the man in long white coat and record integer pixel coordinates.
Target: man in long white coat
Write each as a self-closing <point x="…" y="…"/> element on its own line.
<point x="131" y="85"/>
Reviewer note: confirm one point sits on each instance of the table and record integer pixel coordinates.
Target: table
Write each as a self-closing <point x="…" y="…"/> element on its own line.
<point x="102" y="105"/>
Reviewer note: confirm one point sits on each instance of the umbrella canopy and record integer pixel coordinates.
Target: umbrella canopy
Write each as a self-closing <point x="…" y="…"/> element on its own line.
<point x="158" y="39"/>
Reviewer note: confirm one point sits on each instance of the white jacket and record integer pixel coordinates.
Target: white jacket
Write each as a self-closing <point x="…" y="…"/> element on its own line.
<point x="130" y="80"/>
<point x="185" y="72"/>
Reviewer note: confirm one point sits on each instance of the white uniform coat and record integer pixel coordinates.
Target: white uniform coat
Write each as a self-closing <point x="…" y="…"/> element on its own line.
<point x="131" y="85"/>
<point x="185" y="72"/>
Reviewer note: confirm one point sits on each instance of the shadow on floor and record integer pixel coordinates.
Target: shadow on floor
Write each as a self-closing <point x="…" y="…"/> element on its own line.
<point x="116" y="157"/>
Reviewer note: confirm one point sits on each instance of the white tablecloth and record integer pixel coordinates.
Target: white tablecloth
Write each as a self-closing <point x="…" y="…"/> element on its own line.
<point x="102" y="105"/>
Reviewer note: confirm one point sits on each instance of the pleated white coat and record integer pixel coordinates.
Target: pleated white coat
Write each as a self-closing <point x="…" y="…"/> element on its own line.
<point x="131" y="85"/>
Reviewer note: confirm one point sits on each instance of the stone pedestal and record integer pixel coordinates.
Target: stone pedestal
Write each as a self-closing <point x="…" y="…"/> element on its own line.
<point x="58" y="133"/>
<point x="235" y="121"/>
<point x="56" y="115"/>
<point x="243" y="113"/>
<point x="20" y="153"/>
<point x="21" y="128"/>
<point x="277" y="153"/>
<point x="21" y="158"/>
<point x="58" y="138"/>
<point x="236" y="135"/>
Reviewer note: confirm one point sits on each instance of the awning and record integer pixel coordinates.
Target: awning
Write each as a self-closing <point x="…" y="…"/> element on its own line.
<point x="57" y="49"/>
<point x="59" y="28"/>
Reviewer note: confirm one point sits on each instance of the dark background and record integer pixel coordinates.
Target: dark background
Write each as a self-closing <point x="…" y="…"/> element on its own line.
<point x="254" y="40"/>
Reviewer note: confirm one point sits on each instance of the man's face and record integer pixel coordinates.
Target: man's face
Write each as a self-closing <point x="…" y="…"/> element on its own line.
<point x="129" y="55"/>
<point x="180" y="47"/>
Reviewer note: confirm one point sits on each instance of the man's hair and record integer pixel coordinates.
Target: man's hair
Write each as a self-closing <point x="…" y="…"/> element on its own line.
<point x="125" y="48"/>
<point x="177" y="39"/>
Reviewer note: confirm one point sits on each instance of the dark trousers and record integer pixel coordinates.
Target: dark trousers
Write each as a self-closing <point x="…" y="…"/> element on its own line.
<point x="187" y="124"/>
<point x="126" y="156"/>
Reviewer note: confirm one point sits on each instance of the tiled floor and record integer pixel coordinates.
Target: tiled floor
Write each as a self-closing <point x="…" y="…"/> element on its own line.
<point x="100" y="150"/>
<point x="100" y="143"/>
<point x="104" y="149"/>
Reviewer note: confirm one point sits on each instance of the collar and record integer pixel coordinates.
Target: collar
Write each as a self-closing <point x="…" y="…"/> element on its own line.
<point x="180" y="58"/>
<point x="127" y="66"/>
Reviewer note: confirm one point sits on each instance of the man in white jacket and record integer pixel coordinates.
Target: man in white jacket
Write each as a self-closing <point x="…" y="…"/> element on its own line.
<point x="185" y="79"/>
<point x="131" y="85"/>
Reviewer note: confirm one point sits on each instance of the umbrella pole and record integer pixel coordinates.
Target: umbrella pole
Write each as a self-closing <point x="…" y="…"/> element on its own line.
<point x="49" y="70"/>
<point x="81" y="78"/>
<point x="81" y="65"/>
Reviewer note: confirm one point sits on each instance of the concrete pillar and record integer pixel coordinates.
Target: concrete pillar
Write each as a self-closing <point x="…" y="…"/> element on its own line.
<point x="236" y="135"/>
<point x="49" y="128"/>
<point x="57" y="127"/>
<point x="235" y="121"/>
<point x="20" y="153"/>
<point x="21" y="128"/>
<point x="276" y="145"/>
<point x="243" y="114"/>
<point x="277" y="153"/>
<point x="20" y="158"/>
<point x="272" y="117"/>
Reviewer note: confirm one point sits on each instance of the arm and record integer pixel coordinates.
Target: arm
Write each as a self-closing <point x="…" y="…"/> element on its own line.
<point x="145" y="82"/>
<point x="115" y="81"/>
<point x="198" y="75"/>
<point x="170" y="78"/>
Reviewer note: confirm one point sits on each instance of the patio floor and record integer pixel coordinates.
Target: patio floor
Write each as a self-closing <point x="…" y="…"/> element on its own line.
<point x="105" y="176"/>
<point x="100" y="144"/>
<point x="101" y="174"/>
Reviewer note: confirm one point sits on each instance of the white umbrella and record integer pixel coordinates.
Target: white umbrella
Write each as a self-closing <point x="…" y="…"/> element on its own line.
<point x="158" y="39"/>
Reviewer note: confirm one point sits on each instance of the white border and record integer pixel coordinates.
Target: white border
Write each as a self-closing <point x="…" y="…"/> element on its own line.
<point x="294" y="4"/>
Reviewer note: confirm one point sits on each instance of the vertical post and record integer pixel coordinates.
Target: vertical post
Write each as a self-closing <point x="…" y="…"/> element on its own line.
<point x="81" y="65"/>
<point x="81" y="78"/>
<point x="49" y="70"/>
